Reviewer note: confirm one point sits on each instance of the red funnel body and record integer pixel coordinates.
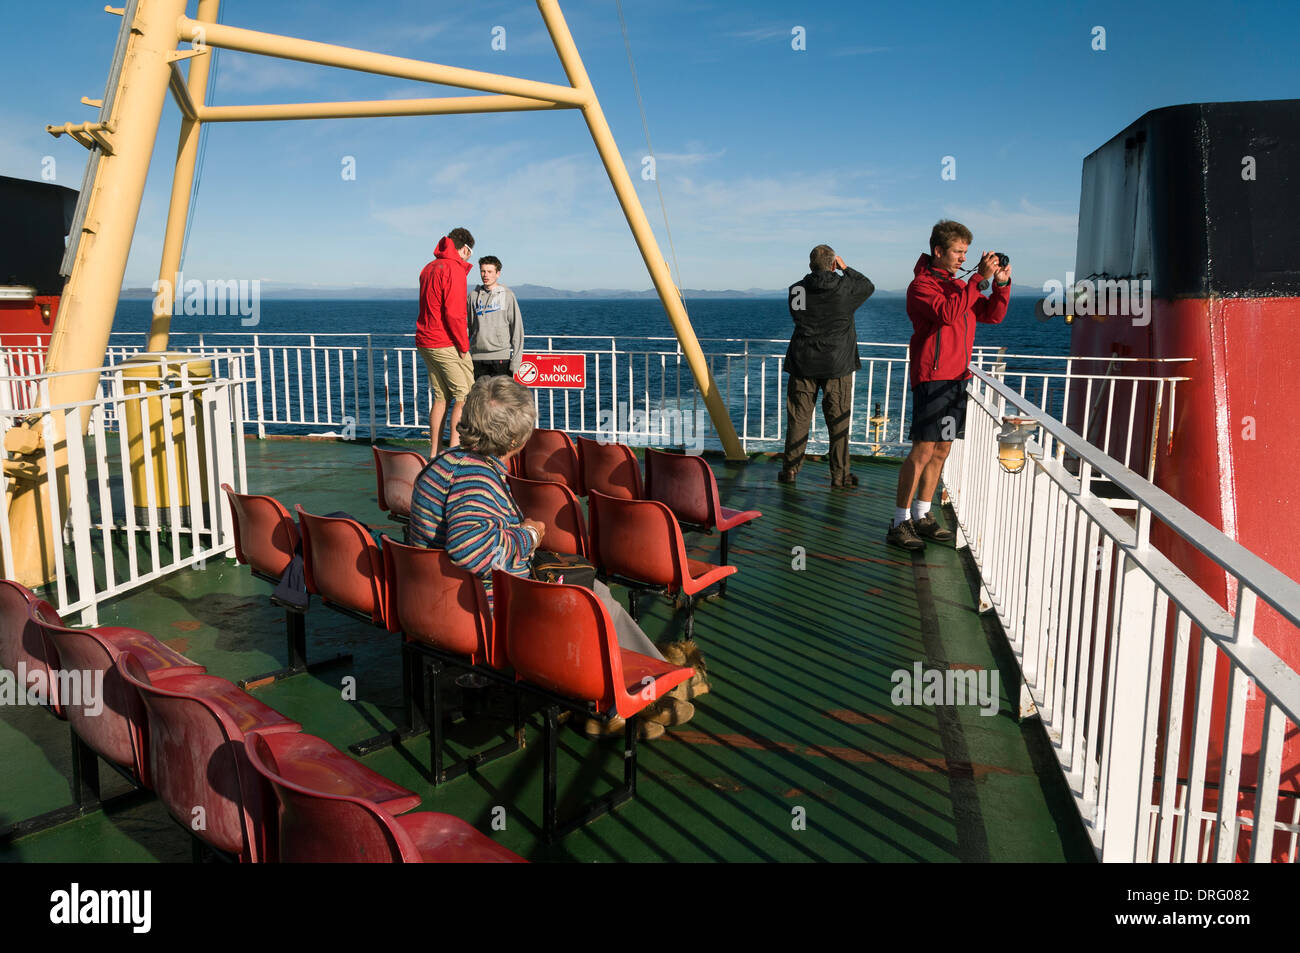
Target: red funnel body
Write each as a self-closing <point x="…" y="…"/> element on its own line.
<point x="1174" y="202"/>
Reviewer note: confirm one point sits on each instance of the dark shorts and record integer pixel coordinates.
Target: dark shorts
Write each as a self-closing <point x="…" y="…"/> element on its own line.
<point x="491" y="369"/>
<point x="938" y="411"/>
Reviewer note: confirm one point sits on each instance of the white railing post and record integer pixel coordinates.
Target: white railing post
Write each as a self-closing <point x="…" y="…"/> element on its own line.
<point x="370" y="383"/>
<point x="1123" y="806"/>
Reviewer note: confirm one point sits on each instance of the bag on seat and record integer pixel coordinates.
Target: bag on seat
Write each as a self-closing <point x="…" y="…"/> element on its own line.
<point x="568" y="568"/>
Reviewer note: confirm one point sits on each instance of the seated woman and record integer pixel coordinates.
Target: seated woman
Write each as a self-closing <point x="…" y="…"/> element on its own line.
<point x="461" y="503"/>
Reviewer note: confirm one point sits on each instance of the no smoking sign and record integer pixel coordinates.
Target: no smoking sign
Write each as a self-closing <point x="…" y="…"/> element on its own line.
<point x="553" y="370"/>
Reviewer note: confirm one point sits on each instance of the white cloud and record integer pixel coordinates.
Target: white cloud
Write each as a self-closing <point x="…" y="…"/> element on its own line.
<point x="759" y="34"/>
<point x="689" y="158"/>
<point x="1024" y="219"/>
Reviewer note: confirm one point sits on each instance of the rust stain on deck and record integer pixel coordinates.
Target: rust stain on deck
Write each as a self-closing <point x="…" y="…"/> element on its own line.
<point x="187" y="625"/>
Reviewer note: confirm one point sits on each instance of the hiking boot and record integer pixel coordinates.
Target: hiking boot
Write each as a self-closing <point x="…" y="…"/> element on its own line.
<point x="904" y="535"/>
<point x="687" y="653"/>
<point x="786" y="476"/>
<point x="845" y="482"/>
<point x="646" y="730"/>
<point x="669" y="711"/>
<point x="928" y="527"/>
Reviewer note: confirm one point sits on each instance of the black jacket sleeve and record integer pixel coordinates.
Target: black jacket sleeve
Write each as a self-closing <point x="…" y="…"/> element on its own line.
<point x="858" y="286"/>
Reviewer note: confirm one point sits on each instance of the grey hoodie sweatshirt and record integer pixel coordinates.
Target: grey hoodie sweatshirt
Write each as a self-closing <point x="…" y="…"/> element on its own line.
<point x="496" y="328"/>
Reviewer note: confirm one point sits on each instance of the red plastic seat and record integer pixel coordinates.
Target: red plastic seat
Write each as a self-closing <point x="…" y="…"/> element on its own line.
<point x="395" y="473"/>
<point x="266" y="540"/>
<point x="639" y="544"/>
<point x="550" y="455"/>
<point x="265" y="535"/>
<point x="196" y="757"/>
<point x="343" y="564"/>
<point x="562" y="644"/>
<point x="319" y="823"/>
<point x="437" y="604"/>
<point x="610" y="468"/>
<point x="21" y="640"/>
<point x="686" y="485"/>
<point x="442" y="612"/>
<point x="114" y="727"/>
<point x="555" y="505"/>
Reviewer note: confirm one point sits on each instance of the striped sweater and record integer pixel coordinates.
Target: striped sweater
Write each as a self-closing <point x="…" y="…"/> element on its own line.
<point x="461" y="503"/>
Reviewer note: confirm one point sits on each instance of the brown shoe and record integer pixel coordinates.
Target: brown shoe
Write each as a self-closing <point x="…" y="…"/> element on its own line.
<point x="595" y="728"/>
<point x="672" y="652"/>
<point x="669" y="711"/>
<point x="692" y="656"/>
<point x="649" y="730"/>
<point x="786" y="476"/>
<point x="904" y="535"/>
<point x="848" y="481"/>
<point x="928" y="527"/>
<point x="646" y="730"/>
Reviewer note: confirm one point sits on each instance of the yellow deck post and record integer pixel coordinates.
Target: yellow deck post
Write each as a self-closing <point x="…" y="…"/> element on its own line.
<point x="178" y="211"/>
<point x="641" y="231"/>
<point x="80" y="336"/>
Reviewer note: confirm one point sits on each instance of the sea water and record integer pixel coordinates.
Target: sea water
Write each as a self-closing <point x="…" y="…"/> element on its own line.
<point x="882" y="319"/>
<point x="659" y="395"/>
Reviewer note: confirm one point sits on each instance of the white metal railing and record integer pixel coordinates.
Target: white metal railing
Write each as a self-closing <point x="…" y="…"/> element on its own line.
<point x="135" y="497"/>
<point x="1120" y="650"/>
<point x="1116" y="403"/>
<point x="641" y="390"/>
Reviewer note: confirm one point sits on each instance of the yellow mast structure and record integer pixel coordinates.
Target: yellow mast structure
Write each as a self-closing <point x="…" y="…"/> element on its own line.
<point x="122" y="143"/>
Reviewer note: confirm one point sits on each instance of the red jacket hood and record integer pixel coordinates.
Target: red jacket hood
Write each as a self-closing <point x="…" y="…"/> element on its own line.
<point x="447" y="250"/>
<point x="922" y="265"/>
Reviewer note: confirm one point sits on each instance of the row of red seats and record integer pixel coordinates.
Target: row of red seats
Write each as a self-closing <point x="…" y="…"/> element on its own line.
<point x="644" y="547"/>
<point x="237" y="775"/>
<point x="555" y="642"/>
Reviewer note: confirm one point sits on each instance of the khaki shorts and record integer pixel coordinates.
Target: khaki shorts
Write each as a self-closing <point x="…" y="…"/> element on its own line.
<point x="450" y="373"/>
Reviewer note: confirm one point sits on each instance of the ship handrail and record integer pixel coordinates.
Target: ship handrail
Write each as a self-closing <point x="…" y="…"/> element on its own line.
<point x="1229" y="554"/>
<point x="374" y="386"/>
<point x="979" y="350"/>
<point x="1120" y="651"/>
<point x="170" y="516"/>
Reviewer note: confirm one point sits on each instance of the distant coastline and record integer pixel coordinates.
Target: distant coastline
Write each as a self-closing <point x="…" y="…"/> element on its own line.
<point x="277" y="290"/>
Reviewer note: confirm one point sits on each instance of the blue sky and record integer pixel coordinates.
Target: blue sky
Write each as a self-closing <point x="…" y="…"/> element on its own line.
<point x="763" y="150"/>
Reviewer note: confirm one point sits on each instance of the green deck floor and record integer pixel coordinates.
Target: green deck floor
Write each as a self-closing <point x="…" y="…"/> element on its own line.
<point x="797" y="754"/>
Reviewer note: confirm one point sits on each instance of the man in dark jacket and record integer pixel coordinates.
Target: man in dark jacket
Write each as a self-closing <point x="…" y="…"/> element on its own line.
<point x="823" y="355"/>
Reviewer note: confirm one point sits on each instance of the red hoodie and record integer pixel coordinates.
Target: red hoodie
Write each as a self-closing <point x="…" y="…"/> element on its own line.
<point x="942" y="307"/>
<point x="443" y="312"/>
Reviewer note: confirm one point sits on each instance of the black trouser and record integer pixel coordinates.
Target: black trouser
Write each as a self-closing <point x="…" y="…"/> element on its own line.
<point x="800" y="400"/>
<point x="491" y="369"/>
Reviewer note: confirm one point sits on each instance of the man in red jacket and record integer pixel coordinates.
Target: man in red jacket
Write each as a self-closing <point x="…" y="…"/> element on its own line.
<point x="944" y="310"/>
<point x="442" y="331"/>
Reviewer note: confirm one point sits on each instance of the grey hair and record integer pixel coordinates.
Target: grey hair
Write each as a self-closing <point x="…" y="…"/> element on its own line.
<point x="499" y="416"/>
